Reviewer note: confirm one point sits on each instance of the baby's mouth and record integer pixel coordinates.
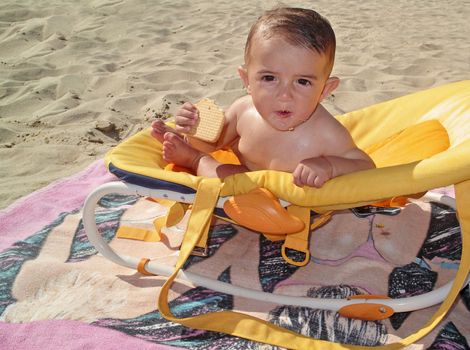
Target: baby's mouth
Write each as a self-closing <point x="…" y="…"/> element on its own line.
<point x="284" y="113"/>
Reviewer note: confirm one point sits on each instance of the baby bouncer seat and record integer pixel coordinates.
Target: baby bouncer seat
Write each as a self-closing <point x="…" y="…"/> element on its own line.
<point x="419" y="142"/>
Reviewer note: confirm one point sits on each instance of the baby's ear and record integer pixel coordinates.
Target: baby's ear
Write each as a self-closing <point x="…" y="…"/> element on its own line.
<point x="330" y="85"/>
<point x="243" y="72"/>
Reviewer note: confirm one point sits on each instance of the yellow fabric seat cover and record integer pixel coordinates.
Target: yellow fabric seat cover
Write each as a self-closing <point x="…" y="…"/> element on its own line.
<point x="372" y="128"/>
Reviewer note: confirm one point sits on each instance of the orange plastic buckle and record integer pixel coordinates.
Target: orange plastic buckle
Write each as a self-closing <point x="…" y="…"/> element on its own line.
<point x="141" y="267"/>
<point x="367" y="311"/>
<point x="302" y="262"/>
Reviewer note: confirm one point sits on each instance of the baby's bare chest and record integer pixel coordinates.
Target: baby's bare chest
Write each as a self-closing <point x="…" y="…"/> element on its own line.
<point x="275" y="151"/>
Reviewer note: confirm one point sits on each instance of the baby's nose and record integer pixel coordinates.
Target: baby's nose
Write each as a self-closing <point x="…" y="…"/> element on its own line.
<point x="285" y="92"/>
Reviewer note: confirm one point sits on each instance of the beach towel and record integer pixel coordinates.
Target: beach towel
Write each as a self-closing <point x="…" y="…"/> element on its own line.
<point x="57" y="292"/>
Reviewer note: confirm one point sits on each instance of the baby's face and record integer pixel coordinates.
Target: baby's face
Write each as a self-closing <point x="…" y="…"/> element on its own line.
<point x="285" y="81"/>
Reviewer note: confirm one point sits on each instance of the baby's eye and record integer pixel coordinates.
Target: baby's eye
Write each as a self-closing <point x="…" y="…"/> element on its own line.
<point x="304" y="82"/>
<point x="268" y="78"/>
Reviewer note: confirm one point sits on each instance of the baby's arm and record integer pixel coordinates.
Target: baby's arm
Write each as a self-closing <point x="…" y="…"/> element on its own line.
<point x="339" y="156"/>
<point x="316" y="171"/>
<point x="350" y="161"/>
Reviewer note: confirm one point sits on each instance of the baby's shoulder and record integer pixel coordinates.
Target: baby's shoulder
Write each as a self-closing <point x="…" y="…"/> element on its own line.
<point x="329" y="128"/>
<point x="243" y="102"/>
<point x="240" y="106"/>
<point x="327" y="120"/>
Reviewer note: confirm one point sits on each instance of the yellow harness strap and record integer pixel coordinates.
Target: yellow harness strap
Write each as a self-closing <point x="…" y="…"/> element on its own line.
<point x="201" y="246"/>
<point x="298" y="241"/>
<point x="249" y="327"/>
<point x="174" y="215"/>
<point x="201" y="215"/>
<point x="139" y="234"/>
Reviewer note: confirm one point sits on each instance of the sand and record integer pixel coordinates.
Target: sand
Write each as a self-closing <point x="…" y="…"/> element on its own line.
<point x="77" y="77"/>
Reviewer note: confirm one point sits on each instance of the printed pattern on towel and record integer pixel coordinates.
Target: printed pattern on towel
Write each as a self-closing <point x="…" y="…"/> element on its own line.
<point x="272" y="267"/>
<point x="12" y="259"/>
<point x="196" y="301"/>
<point x="110" y="209"/>
<point x="407" y="281"/>
<point x="444" y="239"/>
<point x="449" y="338"/>
<point x="269" y="272"/>
<point x="465" y="294"/>
<point x="328" y="325"/>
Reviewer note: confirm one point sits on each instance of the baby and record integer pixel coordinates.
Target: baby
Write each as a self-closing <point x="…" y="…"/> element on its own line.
<point x="280" y="124"/>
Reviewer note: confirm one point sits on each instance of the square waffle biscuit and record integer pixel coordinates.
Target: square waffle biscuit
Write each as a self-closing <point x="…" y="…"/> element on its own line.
<point x="211" y="121"/>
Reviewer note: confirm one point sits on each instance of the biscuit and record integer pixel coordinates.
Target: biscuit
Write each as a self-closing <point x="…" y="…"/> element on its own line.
<point x="211" y="121"/>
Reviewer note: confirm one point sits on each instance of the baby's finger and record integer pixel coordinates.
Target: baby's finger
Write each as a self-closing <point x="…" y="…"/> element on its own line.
<point x="183" y="121"/>
<point x="189" y="107"/>
<point x="301" y="175"/>
<point x="189" y="111"/>
<point x="188" y="114"/>
<point x="311" y="178"/>
<point x="307" y="176"/>
<point x="183" y="129"/>
<point x="184" y="124"/>
<point x="319" y="181"/>
<point x="296" y="176"/>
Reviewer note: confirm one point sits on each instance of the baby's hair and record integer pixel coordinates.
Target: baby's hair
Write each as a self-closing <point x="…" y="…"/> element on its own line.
<point x="298" y="26"/>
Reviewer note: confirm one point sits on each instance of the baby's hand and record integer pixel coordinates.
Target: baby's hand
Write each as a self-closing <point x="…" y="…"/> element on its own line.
<point x="186" y="118"/>
<point x="313" y="172"/>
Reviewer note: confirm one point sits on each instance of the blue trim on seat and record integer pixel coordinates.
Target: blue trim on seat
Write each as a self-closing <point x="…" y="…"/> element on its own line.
<point x="220" y="212"/>
<point x="149" y="182"/>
